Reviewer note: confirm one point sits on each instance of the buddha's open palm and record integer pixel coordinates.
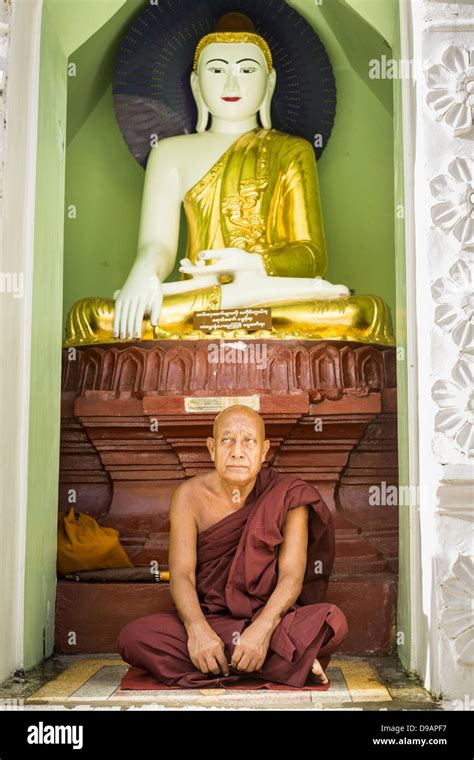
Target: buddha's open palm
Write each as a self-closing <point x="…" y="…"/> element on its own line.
<point x="142" y="295"/>
<point x="228" y="261"/>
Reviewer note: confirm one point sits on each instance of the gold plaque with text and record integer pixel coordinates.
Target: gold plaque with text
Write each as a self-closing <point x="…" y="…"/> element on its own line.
<point x="216" y="404"/>
<point x="233" y="319"/>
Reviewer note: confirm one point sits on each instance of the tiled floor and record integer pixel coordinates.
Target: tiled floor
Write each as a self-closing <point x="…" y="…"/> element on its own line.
<point x="82" y="682"/>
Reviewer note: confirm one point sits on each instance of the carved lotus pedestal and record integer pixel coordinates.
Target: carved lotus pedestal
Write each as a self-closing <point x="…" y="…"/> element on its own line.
<point x="135" y="418"/>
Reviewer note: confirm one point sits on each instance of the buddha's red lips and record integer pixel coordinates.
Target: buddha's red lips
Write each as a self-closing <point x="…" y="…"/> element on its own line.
<point x="232" y="100"/>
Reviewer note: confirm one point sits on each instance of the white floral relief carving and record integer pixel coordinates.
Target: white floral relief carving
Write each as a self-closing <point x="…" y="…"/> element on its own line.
<point x="455" y="399"/>
<point x="467" y="253"/>
<point x="457" y="615"/>
<point x="455" y="298"/>
<point x="451" y="86"/>
<point x="445" y="110"/>
<point x="454" y="214"/>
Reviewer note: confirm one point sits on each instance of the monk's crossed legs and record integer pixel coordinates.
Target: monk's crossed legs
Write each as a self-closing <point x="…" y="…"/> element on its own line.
<point x="158" y="643"/>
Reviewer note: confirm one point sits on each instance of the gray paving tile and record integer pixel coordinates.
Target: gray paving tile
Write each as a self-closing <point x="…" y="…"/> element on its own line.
<point x="217" y="696"/>
<point x="102" y="689"/>
<point x="337" y="692"/>
<point x="101" y="685"/>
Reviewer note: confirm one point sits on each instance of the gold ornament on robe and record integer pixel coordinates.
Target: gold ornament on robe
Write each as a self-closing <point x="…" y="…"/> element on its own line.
<point x="261" y="196"/>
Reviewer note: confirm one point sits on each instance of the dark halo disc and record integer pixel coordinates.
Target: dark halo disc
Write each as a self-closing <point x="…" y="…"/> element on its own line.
<point x="151" y="91"/>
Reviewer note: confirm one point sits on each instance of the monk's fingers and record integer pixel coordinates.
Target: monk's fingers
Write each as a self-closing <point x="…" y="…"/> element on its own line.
<point x="244" y="663"/>
<point x="241" y="658"/>
<point x="237" y="655"/>
<point x="250" y="659"/>
<point x="207" y="662"/>
<point x="213" y="665"/>
<point x="195" y="661"/>
<point x="199" y="661"/>
<point x="202" y="665"/>
<point x="222" y="660"/>
<point x="253" y="666"/>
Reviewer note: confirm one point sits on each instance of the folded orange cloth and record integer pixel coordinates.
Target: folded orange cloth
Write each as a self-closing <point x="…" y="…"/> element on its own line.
<point x="83" y="544"/>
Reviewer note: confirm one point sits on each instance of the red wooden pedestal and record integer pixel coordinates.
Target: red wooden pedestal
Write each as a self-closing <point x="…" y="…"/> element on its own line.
<point x="127" y="441"/>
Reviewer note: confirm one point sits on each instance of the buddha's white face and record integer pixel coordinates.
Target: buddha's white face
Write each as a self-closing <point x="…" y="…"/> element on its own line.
<point x="233" y="79"/>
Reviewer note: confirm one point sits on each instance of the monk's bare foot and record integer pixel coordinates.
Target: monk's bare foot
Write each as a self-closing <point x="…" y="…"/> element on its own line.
<point x="318" y="674"/>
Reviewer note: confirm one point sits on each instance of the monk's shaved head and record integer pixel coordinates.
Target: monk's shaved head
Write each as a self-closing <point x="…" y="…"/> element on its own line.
<point x="238" y="447"/>
<point x="238" y="411"/>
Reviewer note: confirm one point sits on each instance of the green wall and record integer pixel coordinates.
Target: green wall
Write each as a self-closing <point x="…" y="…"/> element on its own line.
<point x="104" y="183"/>
<point x="357" y="168"/>
<point x="43" y="454"/>
<point x="60" y="29"/>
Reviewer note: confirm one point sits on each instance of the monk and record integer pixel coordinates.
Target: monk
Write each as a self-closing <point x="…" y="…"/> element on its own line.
<point x="251" y="552"/>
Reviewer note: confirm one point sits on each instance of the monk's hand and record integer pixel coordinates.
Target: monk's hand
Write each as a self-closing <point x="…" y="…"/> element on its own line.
<point x="206" y="650"/>
<point x="250" y="652"/>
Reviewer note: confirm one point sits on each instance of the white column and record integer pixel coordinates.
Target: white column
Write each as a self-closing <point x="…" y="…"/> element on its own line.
<point x="20" y="31"/>
<point x="5" y="21"/>
<point x="440" y="316"/>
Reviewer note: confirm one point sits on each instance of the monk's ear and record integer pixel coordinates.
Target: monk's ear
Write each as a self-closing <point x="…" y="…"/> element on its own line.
<point x="266" y="446"/>
<point x="211" y="447"/>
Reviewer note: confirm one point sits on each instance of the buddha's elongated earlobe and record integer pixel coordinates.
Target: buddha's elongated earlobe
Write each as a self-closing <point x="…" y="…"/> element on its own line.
<point x="264" y="110"/>
<point x="203" y="113"/>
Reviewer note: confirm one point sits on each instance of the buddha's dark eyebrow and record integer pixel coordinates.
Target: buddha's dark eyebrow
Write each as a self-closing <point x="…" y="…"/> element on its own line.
<point x="249" y="59"/>
<point x="222" y="60"/>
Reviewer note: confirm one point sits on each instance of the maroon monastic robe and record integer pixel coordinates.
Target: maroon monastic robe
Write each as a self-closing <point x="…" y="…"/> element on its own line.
<point x="236" y="573"/>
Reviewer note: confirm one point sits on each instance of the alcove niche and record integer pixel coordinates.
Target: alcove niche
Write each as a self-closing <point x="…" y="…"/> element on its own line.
<point x="104" y="182"/>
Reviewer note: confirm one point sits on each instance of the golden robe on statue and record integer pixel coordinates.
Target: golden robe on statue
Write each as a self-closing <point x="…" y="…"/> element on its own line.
<point x="262" y="196"/>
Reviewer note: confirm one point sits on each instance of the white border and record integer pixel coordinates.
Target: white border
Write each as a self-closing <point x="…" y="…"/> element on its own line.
<point x="17" y="255"/>
<point x="411" y="359"/>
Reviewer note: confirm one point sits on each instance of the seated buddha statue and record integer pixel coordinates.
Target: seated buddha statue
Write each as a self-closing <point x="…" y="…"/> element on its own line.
<point x="251" y="199"/>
